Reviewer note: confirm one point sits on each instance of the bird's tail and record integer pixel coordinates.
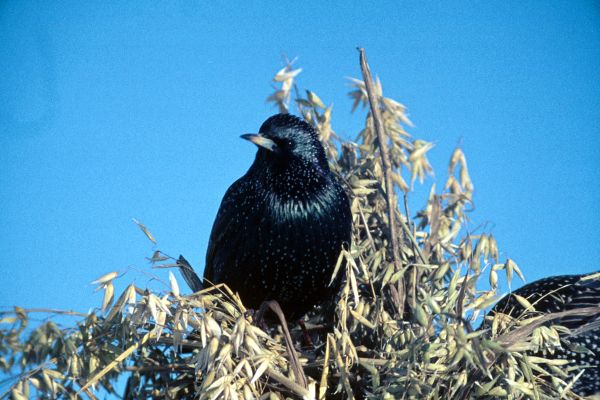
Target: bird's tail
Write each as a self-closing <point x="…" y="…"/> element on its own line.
<point x="189" y="275"/>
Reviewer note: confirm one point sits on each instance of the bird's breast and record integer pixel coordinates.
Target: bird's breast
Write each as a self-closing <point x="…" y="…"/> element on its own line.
<point x="300" y="203"/>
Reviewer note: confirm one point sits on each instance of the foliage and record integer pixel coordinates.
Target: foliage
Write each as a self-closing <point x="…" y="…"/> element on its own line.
<point x="399" y="328"/>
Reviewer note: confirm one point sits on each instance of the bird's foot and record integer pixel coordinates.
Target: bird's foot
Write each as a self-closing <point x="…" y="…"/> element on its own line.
<point x="307" y="341"/>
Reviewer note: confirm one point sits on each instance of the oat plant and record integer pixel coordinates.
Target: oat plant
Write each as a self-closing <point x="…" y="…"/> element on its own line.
<point x="404" y="325"/>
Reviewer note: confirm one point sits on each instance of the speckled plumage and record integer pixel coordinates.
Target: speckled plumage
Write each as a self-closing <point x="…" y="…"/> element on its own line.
<point x="280" y="228"/>
<point x="563" y="293"/>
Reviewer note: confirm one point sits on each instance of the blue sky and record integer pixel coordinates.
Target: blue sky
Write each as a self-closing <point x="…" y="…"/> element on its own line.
<point x="133" y="110"/>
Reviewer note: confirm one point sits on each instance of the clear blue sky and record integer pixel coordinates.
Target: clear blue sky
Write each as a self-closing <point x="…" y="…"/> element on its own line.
<point x="111" y="111"/>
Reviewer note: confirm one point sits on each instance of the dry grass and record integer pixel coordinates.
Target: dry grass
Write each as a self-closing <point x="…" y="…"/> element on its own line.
<point x="400" y="327"/>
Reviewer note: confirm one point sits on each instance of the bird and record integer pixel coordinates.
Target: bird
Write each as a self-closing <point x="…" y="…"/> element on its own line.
<point x="281" y="227"/>
<point x="558" y="294"/>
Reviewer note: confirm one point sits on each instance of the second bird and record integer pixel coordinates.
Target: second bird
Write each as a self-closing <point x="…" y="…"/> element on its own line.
<point x="280" y="228"/>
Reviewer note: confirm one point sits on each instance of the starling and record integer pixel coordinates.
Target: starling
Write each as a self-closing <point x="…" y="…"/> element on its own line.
<point x="280" y="228"/>
<point x="563" y="293"/>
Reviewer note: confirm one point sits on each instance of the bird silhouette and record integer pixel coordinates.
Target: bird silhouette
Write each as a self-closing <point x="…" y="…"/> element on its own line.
<point x="281" y="227"/>
<point x="558" y="294"/>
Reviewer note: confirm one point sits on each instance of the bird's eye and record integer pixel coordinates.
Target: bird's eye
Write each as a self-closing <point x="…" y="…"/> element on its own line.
<point x="284" y="143"/>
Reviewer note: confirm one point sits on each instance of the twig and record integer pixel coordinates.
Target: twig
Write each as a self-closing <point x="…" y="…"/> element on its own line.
<point x="294" y="359"/>
<point x="343" y="368"/>
<point x="24" y="375"/>
<point x="387" y="167"/>
<point x="379" y="362"/>
<point x="483" y="365"/>
<point x="461" y="296"/>
<point x="114" y="363"/>
<point x="413" y="284"/>
<point x="325" y="371"/>
<point x="413" y="240"/>
<point x="46" y="310"/>
<point x="288" y="383"/>
<point x="90" y="394"/>
<point x="364" y="220"/>
<point x="159" y="368"/>
<point x="414" y="244"/>
<point x="514" y="336"/>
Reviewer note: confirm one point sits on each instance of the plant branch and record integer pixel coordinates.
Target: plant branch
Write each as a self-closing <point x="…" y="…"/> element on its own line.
<point x="387" y="168"/>
<point x="46" y="310"/>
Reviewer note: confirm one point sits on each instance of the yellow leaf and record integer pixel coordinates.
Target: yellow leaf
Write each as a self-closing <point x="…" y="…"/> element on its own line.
<point x="145" y="230"/>
<point x="106" y="278"/>
<point x="524" y="302"/>
<point x="114" y="363"/>
<point x="174" y="285"/>
<point x="260" y="371"/>
<point x="313" y="98"/>
<point x="109" y="291"/>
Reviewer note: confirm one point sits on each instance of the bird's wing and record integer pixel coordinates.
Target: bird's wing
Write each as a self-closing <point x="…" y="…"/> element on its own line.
<point x="584" y="294"/>
<point x="222" y="237"/>
<point x="556" y="294"/>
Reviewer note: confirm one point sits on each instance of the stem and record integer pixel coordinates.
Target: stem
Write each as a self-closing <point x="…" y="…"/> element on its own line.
<point x="46" y="310"/>
<point x="387" y="170"/>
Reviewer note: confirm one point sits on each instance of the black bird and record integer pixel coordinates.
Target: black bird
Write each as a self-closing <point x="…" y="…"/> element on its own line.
<point x="564" y="293"/>
<point x="281" y="227"/>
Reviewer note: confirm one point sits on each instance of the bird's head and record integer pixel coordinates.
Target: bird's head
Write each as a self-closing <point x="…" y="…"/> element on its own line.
<point x="284" y="137"/>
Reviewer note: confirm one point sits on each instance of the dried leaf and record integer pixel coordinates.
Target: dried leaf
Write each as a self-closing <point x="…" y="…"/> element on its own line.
<point x="145" y="230"/>
<point x="109" y="291"/>
<point x="174" y="285"/>
<point x="106" y="278"/>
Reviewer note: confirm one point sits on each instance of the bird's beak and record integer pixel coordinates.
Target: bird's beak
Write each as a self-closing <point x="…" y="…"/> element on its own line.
<point x="261" y="141"/>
